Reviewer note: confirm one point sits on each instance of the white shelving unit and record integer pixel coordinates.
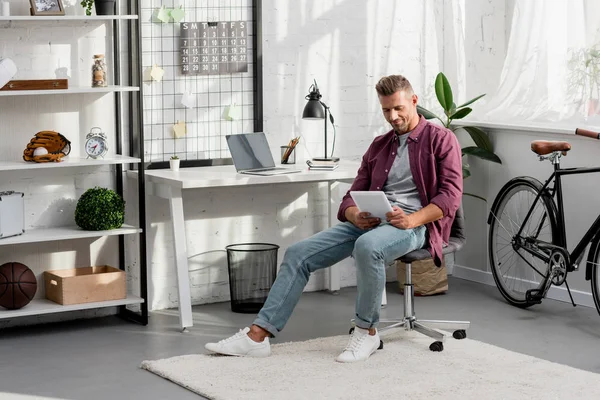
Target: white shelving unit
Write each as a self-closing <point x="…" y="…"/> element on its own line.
<point x="71" y="90"/>
<point x="39" y="18"/>
<point x="64" y="233"/>
<point x="42" y="306"/>
<point x="68" y="162"/>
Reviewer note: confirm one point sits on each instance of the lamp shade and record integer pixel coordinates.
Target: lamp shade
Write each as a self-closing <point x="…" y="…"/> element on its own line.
<point x="313" y="110"/>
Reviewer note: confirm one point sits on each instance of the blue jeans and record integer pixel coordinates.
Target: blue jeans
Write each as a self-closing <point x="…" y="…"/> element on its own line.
<point x="372" y="250"/>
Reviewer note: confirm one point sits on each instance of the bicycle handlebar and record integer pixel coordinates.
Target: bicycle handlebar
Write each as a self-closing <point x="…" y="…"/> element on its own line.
<point x="585" y="132"/>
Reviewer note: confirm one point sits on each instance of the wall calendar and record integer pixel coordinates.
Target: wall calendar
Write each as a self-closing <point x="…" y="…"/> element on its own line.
<point x="214" y="48"/>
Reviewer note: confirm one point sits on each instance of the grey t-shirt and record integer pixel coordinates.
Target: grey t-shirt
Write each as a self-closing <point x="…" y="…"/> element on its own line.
<point x="400" y="188"/>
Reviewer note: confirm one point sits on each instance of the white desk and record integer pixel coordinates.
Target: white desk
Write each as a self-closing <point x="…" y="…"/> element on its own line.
<point x="169" y="185"/>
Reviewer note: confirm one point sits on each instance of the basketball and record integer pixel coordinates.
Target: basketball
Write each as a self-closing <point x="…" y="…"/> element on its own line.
<point x="17" y="285"/>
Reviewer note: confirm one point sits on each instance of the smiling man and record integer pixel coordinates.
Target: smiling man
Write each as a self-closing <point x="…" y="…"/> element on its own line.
<point x="418" y="166"/>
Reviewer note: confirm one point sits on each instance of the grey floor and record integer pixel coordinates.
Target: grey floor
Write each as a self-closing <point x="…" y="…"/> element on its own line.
<point x="100" y="358"/>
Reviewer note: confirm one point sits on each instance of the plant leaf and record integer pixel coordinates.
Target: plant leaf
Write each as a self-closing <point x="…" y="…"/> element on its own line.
<point x="481" y="153"/>
<point x="426" y="113"/>
<point x="443" y="91"/>
<point x="480" y="138"/>
<point x="471" y="101"/>
<point x="466" y="172"/>
<point x="460" y="114"/>
<point x="476" y="196"/>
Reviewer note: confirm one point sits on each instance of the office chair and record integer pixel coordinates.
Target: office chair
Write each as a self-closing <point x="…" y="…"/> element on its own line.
<point x="427" y="327"/>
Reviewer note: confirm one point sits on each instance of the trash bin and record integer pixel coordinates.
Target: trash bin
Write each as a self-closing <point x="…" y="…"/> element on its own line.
<point x="252" y="270"/>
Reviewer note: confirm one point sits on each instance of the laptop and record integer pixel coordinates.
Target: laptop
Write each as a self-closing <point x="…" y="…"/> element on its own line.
<point x="251" y="155"/>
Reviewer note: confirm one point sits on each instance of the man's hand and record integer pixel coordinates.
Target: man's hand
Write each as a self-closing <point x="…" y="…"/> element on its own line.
<point x="361" y="220"/>
<point x="400" y="219"/>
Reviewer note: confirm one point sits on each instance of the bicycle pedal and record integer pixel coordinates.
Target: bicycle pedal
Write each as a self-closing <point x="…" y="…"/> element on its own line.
<point x="534" y="296"/>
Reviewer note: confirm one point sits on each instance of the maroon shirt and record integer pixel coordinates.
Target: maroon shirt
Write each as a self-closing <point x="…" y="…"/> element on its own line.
<point x="435" y="162"/>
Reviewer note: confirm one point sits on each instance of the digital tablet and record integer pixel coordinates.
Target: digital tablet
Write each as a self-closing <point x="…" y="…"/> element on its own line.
<point x="373" y="202"/>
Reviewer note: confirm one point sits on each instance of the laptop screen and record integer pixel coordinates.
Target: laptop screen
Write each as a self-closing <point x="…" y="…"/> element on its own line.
<point x="250" y="151"/>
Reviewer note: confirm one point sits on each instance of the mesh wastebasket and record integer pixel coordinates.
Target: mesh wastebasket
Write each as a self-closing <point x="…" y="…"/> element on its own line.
<point x="252" y="270"/>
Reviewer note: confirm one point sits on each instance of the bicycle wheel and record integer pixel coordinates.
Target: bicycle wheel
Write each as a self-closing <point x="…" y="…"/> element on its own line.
<point x="515" y="270"/>
<point x="596" y="275"/>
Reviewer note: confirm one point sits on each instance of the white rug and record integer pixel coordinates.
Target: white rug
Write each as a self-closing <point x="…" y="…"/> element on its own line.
<point x="404" y="369"/>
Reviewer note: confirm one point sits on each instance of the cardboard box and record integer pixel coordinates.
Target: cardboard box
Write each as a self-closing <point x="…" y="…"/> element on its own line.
<point x="85" y="285"/>
<point x="427" y="279"/>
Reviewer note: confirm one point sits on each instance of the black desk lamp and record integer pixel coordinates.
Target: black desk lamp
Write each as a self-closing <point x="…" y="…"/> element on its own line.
<point x="316" y="109"/>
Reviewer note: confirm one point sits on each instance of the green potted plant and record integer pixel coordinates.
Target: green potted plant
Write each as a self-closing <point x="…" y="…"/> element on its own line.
<point x="584" y="78"/>
<point x="174" y="163"/>
<point x="103" y="7"/>
<point x="100" y="209"/>
<point x="483" y="147"/>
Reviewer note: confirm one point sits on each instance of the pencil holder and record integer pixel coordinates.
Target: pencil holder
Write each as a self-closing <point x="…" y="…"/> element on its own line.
<point x="288" y="155"/>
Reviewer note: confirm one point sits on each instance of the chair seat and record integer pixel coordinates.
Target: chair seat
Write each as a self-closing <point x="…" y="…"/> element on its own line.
<point x="454" y="244"/>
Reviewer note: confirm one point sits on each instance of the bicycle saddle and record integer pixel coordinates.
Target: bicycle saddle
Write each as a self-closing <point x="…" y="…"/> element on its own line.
<point x="543" y="147"/>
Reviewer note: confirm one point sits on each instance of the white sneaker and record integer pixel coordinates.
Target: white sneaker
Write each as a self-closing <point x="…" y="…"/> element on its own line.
<point x="360" y="346"/>
<point x="241" y="345"/>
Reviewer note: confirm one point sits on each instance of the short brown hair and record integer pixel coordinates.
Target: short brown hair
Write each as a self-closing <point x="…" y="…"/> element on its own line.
<point x="388" y="85"/>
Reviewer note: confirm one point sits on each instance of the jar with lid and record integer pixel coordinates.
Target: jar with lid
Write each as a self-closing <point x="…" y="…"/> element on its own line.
<point x="99" y="76"/>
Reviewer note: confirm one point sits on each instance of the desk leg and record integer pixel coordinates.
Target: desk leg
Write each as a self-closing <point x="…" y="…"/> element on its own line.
<point x="334" y="270"/>
<point x="181" y="262"/>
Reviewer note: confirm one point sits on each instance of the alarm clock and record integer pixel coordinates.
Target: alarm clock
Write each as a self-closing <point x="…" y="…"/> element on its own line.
<point x="96" y="144"/>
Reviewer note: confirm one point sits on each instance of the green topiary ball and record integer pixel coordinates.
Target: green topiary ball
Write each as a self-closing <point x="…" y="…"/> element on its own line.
<point x="100" y="209"/>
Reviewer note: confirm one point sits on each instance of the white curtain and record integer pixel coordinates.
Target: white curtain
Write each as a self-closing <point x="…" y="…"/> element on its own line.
<point x="544" y="77"/>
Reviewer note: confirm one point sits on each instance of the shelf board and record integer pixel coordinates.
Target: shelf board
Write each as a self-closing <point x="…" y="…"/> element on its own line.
<point x="68" y="162"/>
<point x="43" y="306"/>
<point x="39" y="18"/>
<point x="70" y="90"/>
<point x="64" y="233"/>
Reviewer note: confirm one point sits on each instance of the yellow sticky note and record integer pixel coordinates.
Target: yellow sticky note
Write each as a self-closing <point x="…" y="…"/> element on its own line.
<point x="163" y="14"/>
<point x="177" y="14"/>
<point x="179" y="129"/>
<point x="157" y="73"/>
<point x="233" y="112"/>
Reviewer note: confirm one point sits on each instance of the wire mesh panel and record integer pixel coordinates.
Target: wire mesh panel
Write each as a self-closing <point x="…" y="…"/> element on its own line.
<point x="199" y="77"/>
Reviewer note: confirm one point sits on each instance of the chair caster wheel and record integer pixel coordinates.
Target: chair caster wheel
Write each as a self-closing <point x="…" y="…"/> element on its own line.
<point x="436" y="346"/>
<point x="380" y="345"/>
<point x="351" y="330"/>
<point x="459" y="334"/>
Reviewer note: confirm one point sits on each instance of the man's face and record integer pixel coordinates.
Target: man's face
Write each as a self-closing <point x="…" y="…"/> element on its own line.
<point x="400" y="110"/>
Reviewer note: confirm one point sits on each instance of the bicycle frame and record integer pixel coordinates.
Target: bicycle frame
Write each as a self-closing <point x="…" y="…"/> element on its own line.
<point x="561" y="234"/>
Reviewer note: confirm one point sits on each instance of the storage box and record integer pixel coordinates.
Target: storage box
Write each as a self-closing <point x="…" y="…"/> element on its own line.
<point x="12" y="214"/>
<point x="427" y="279"/>
<point x="85" y="285"/>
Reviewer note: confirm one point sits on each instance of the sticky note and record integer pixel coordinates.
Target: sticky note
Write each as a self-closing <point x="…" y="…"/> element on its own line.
<point x="147" y="74"/>
<point x="188" y="100"/>
<point x="163" y="14"/>
<point x="177" y="14"/>
<point x="179" y="129"/>
<point x="233" y="112"/>
<point x="157" y="73"/>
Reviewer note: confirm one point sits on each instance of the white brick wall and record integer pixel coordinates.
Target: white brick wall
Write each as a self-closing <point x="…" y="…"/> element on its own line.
<point x="346" y="46"/>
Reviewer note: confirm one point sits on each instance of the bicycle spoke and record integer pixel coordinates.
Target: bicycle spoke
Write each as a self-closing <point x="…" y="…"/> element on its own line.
<point x="518" y="270"/>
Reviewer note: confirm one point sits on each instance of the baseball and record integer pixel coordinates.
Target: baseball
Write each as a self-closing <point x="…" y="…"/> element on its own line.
<point x="40" y="151"/>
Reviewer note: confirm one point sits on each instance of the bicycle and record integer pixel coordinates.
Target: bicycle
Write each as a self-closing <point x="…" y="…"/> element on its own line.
<point x="527" y="236"/>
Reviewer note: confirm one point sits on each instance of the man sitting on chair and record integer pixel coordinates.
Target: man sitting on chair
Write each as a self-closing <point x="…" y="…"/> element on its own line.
<point x="418" y="166"/>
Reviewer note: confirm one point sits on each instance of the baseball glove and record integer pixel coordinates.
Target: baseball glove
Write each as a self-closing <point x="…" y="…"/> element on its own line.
<point x="57" y="145"/>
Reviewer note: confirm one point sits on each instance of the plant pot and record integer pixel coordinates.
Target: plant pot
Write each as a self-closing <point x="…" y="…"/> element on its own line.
<point x="174" y="165"/>
<point x="105" y="7"/>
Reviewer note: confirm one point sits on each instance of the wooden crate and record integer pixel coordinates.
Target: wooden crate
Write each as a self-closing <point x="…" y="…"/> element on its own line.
<point x="85" y="285"/>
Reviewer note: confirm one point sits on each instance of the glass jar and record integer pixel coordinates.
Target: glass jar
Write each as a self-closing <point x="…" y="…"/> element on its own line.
<point x="99" y="76"/>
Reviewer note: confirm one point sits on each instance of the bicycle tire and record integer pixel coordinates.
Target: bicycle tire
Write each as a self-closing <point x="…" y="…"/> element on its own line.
<point x="595" y="270"/>
<point x="527" y="277"/>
